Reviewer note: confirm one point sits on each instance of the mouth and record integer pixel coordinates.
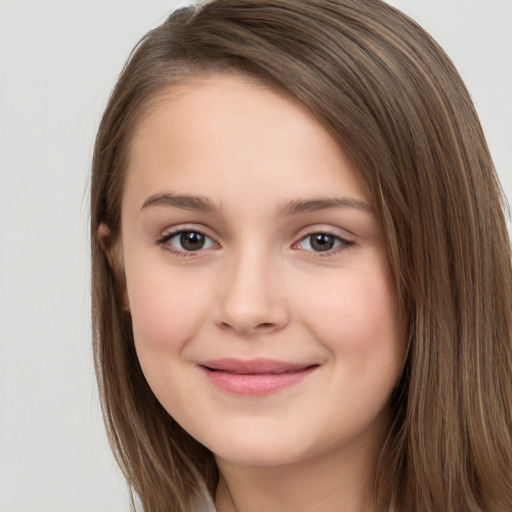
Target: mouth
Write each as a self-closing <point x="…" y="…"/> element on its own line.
<point x="257" y="377"/>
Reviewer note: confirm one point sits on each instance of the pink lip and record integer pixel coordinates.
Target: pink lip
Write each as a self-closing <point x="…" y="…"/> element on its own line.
<point x="256" y="377"/>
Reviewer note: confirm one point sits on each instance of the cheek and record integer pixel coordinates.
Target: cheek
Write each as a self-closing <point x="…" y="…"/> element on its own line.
<point x="357" y="318"/>
<point x="166" y="309"/>
<point x="167" y="312"/>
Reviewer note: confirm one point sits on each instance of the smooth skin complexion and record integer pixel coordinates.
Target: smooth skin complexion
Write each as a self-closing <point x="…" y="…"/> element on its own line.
<point x="264" y="310"/>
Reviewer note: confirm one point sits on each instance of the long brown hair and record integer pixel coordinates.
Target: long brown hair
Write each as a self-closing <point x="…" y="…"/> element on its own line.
<point x="395" y="103"/>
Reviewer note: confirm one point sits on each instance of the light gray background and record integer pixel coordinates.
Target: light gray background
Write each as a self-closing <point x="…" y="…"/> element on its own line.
<point x="58" y="62"/>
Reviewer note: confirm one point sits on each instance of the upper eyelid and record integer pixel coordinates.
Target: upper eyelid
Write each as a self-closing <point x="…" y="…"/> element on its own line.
<point x="343" y="239"/>
<point x="170" y="232"/>
<point x="342" y="233"/>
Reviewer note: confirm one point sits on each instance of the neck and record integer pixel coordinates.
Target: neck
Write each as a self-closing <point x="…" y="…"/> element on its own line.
<point x="337" y="481"/>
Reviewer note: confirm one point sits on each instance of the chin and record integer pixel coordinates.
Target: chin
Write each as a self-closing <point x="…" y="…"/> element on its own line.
<point x="255" y="456"/>
<point x="256" y="448"/>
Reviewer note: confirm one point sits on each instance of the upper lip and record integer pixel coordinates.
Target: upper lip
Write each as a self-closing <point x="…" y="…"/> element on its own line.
<point x="254" y="366"/>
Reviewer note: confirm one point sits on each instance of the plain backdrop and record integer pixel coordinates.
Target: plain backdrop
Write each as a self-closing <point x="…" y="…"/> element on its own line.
<point x="58" y="62"/>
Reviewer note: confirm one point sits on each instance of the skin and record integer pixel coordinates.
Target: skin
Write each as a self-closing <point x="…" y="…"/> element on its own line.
<point x="259" y="288"/>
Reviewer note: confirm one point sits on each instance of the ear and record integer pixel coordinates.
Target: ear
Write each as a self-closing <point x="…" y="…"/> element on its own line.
<point x="114" y="256"/>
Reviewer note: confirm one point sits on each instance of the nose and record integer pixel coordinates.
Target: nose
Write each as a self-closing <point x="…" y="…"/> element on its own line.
<point x="250" y="298"/>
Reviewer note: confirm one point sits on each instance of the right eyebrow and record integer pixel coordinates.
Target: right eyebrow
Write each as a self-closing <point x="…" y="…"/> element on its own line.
<point x="184" y="202"/>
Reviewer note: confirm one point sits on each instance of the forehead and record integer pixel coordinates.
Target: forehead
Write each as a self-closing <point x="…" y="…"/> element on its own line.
<point x="224" y="133"/>
<point x="202" y="101"/>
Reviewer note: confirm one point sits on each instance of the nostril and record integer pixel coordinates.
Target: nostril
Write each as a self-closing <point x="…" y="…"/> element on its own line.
<point x="264" y="326"/>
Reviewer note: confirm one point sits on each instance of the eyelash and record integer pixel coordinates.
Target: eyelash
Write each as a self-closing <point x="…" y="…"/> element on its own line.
<point x="164" y="242"/>
<point x="343" y="243"/>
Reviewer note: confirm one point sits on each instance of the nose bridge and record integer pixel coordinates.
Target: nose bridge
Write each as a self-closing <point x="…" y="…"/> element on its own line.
<point x="251" y="299"/>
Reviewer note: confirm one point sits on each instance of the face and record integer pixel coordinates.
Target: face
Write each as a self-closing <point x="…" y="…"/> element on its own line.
<point x="264" y="310"/>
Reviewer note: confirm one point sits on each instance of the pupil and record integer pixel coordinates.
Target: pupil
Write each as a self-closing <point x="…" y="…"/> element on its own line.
<point x="191" y="241"/>
<point x="322" y="242"/>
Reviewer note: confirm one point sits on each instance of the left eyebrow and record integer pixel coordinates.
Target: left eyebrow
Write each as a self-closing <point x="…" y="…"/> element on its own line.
<point x="298" y="206"/>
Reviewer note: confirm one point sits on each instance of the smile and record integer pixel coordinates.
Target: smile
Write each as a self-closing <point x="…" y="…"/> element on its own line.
<point x="258" y="377"/>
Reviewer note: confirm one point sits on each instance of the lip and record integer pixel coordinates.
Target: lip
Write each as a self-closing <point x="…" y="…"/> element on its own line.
<point x="255" y="377"/>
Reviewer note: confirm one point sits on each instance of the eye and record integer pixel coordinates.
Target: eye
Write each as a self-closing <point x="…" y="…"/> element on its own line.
<point x="187" y="241"/>
<point x="323" y="242"/>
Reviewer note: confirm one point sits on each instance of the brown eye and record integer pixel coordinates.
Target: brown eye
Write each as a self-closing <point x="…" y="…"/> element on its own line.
<point x="323" y="243"/>
<point x="187" y="241"/>
<point x="192" y="240"/>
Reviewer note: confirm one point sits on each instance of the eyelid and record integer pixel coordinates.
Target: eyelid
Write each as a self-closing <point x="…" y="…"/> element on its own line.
<point x="186" y="226"/>
<point x="328" y="229"/>
<point x="346" y="243"/>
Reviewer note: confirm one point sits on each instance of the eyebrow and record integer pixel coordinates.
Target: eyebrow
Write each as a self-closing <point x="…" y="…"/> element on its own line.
<point x="298" y="206"/>
<point x="184" y="202"/>
<point x="289" y="208"/>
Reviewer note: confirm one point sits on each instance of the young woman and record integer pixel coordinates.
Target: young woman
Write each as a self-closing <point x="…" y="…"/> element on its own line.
<point x="302" y="286"/>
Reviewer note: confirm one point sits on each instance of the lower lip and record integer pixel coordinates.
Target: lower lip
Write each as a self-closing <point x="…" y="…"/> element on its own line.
<point x="256" y="384"/>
